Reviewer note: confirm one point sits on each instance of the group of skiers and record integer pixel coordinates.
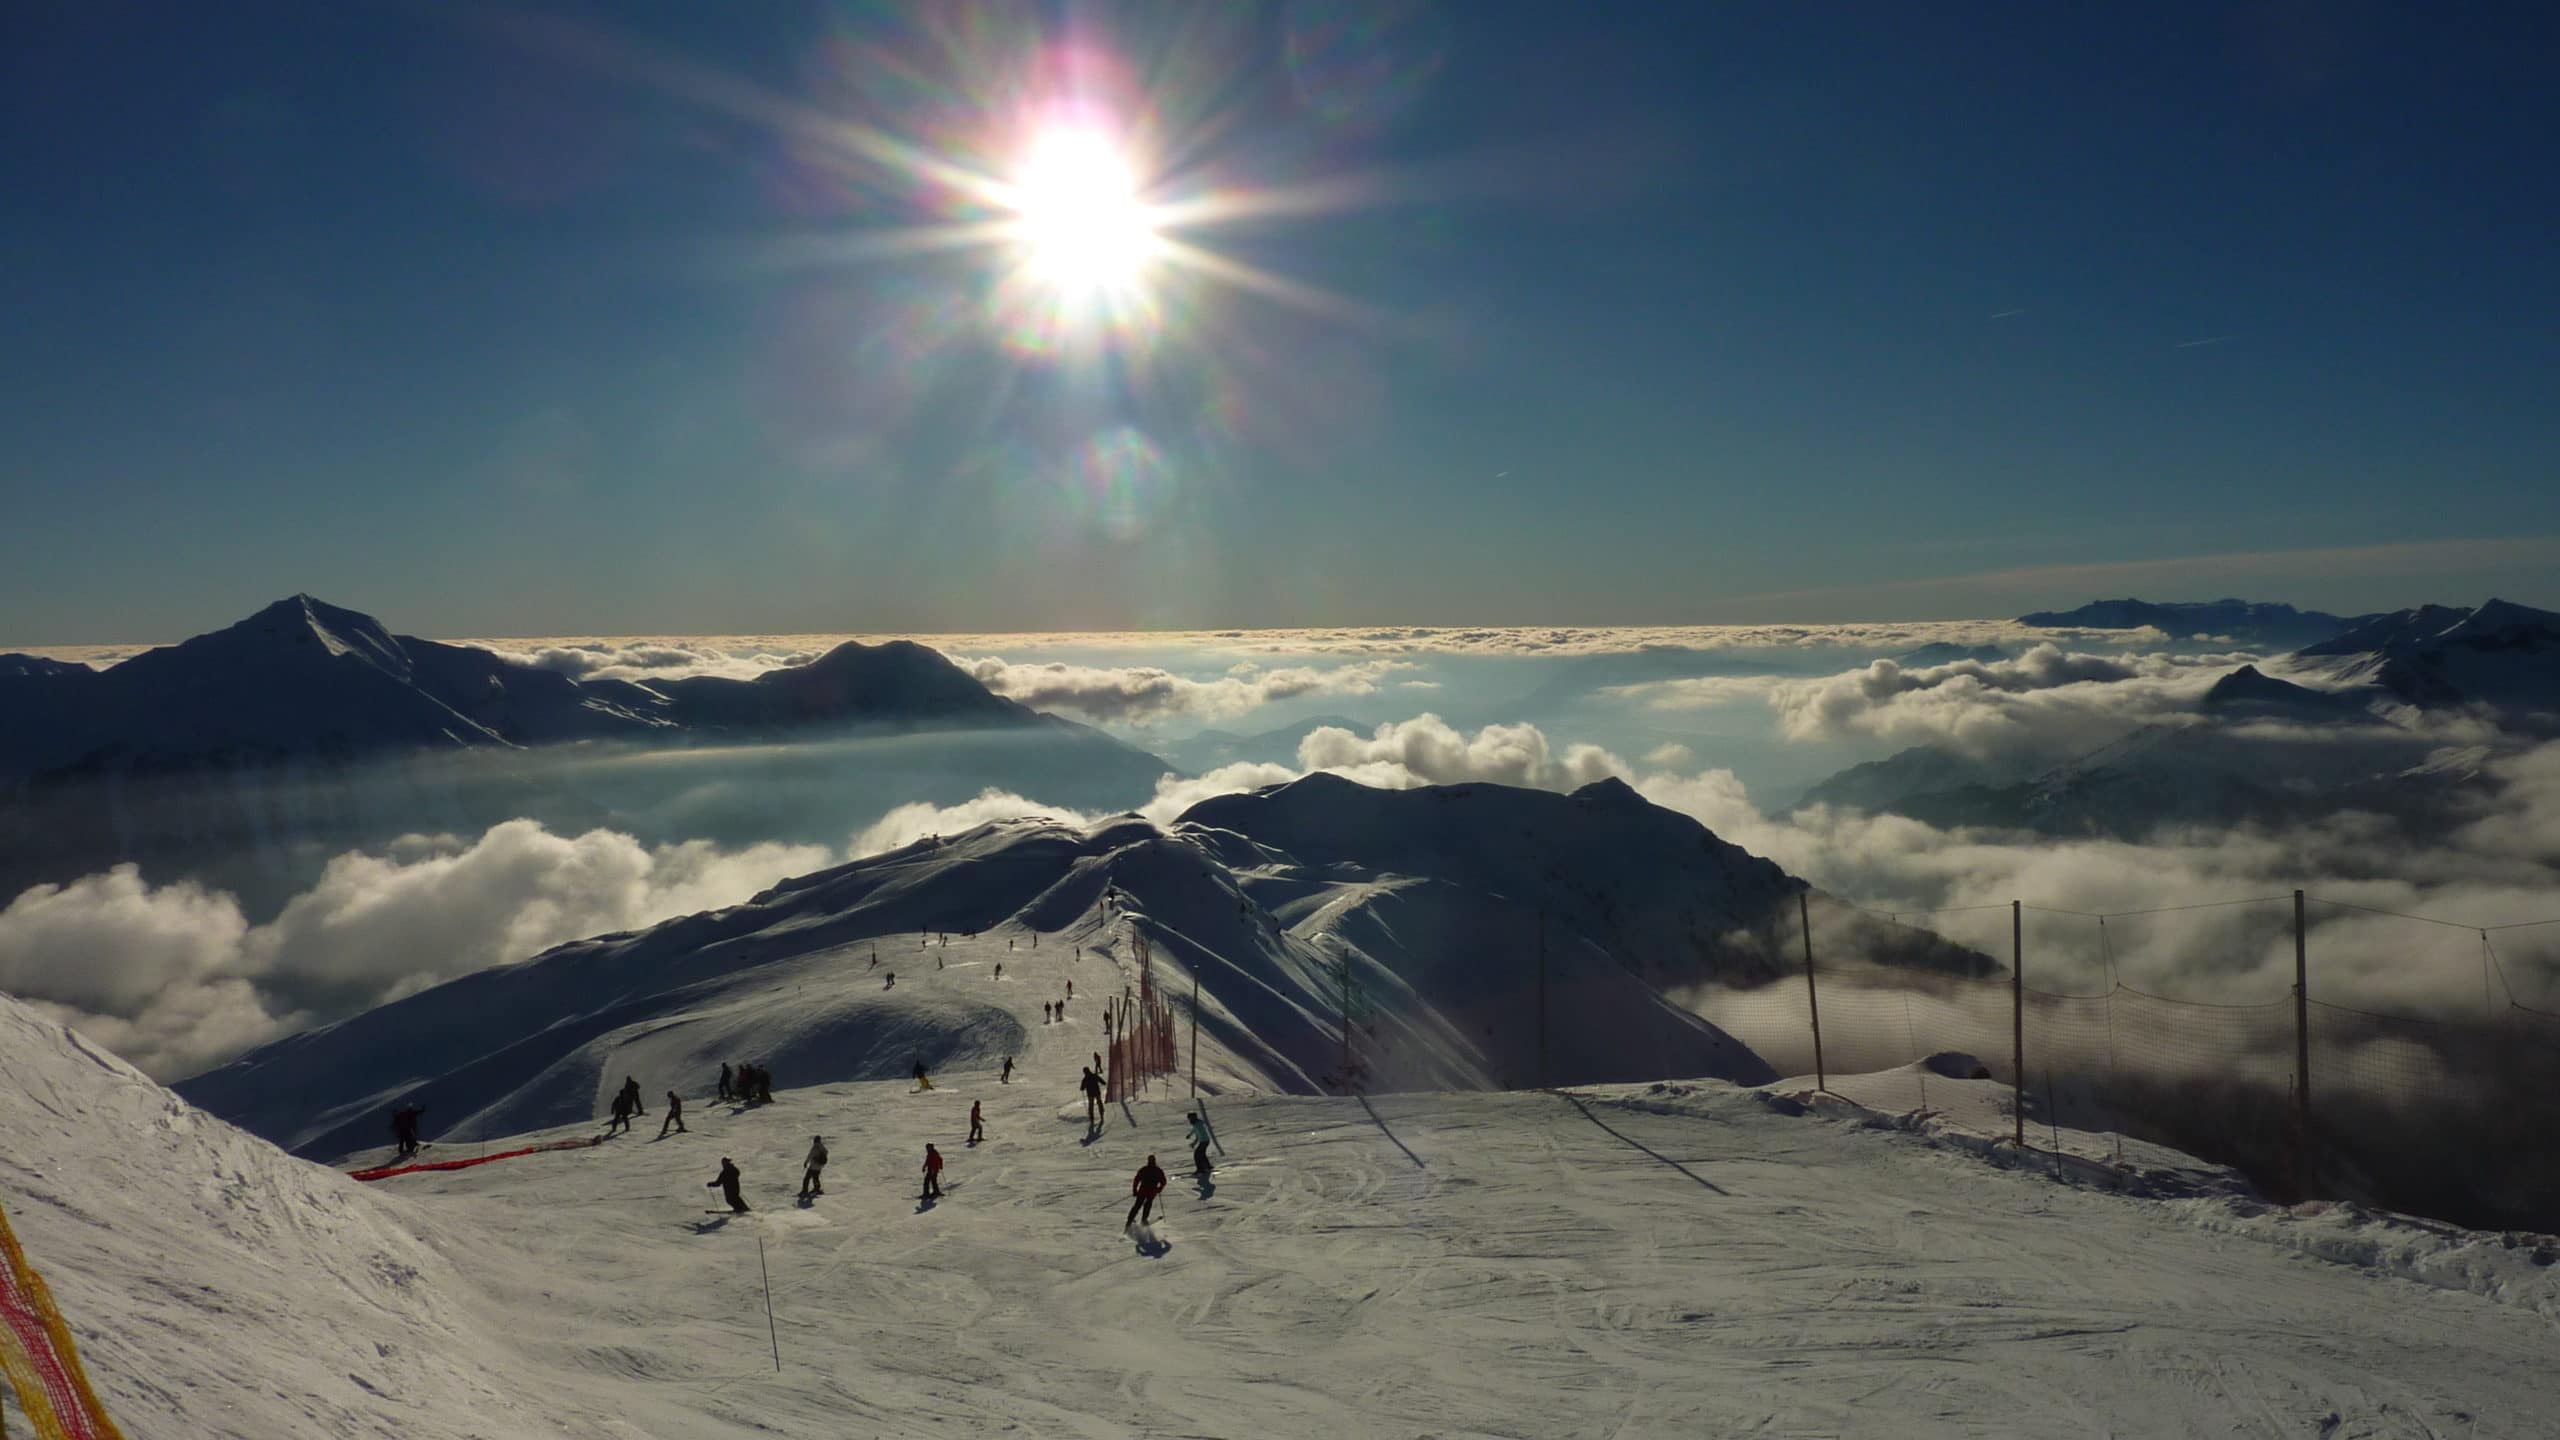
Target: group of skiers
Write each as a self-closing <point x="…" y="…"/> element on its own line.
<point x="746" y="1084"/>
<point x="626" y="1103"/>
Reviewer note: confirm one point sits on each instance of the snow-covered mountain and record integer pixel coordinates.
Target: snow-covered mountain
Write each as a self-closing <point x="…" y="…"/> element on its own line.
<point x="246" y="756"/>
<point x="2499" y="655"/>
<point x="1433" y="898"/>
<point x="2248" y="622"/>
<point x="303" y="679"/>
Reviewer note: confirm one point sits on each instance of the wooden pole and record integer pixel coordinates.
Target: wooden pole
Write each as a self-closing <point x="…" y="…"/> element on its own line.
<point x="2301" y="1051"/>
<point x="1813" y="998"/>
<point x="1195" y="1034"/>
<point x="2018" y="1017"/>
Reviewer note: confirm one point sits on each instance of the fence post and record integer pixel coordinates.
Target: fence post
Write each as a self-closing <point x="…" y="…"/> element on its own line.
<point x="2018" y="1017"/>
<point x="1813" y="998"/>
<point x="2301" y="1052"/>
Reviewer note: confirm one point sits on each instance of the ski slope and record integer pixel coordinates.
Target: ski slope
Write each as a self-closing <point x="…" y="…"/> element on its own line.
<point x="1620" y="1261"/>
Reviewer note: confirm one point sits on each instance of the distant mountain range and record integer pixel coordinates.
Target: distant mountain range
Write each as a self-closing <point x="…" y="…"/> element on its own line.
<point x="1454" y="908"/>
<point x="2265" y="750"/>
<point x="304" y="679"/>
<point x="2247" y="622"/>
<point x="242" y="752"/>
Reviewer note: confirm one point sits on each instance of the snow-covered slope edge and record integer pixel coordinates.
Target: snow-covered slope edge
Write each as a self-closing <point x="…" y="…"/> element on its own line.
<point x="219" y="1287"/>
<point x="1938" y="1102"/>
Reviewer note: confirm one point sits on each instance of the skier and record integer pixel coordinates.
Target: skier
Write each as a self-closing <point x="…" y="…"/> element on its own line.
<point x="999" y="969"/>
<point x="1146" y="1187"/>
<point x="812" y="1169"/>
<point x="1008" y="945"/>
<point x="893" y="981"/>
<point x="1071" y="993"/>
<point x="1200" y="1165"/>
<point x="404" y="1128"/>
<point x="923" y="1081"/>
<point x="932" y="1173"/>
<point x="1006" y="1078"/>
<point x="977" y="1124"/>
<point x="1091" y="1085"/>
<point x="726" y="1075"/>
<point x="764" y="1085"/>
<point x="631" y="1092"/>
<point x="621" y="1113"/>
<point x="727" y="1181"/>
<point x="675" y="1116"/>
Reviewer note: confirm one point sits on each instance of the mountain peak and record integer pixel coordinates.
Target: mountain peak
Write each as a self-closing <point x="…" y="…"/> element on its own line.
<point x="302" y="620"/>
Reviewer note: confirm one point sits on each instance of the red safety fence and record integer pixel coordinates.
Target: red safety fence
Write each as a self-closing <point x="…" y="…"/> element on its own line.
<point x="37" y="1356"/>
<point x="1142" y="1030"/>
<point x="385" y="1172"/>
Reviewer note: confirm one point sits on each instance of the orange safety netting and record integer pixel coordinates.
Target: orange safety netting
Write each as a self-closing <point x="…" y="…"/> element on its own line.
<point x="37" y="1355"/>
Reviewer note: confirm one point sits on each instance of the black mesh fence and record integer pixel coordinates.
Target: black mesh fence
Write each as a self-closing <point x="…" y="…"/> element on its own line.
<point x="2435" y="1092"/>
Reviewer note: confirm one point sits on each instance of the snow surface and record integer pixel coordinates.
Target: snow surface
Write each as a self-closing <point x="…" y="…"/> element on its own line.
<point x="1663" y="1259"/>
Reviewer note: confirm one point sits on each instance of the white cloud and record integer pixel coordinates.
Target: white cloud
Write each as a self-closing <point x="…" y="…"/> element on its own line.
<point x="2497" y="871"/>
<point x="174" y="977"/>
<point x="655" y="659"/>
<point x="1145" y="694"/>
<point x="1428" y="750"/>
<point x="2047" y="699"/>
<point x="908" y="823"/>
<point x="1672" y="756"/>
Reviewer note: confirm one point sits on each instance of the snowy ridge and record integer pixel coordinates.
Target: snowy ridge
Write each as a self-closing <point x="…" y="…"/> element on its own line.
<point x="1260" y="899"/>
<point x="218" y="1287"/>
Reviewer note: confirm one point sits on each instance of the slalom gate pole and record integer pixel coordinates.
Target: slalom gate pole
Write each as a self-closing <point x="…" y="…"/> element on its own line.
<point x="770" y="1331"/>
<point x="1195" y="1034"/>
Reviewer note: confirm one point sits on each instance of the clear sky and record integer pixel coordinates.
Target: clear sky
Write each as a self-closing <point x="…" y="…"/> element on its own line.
<point x="650" y="317"/>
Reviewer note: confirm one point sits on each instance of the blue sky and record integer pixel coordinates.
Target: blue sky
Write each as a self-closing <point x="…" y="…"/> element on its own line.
<point x="522" y="322"/>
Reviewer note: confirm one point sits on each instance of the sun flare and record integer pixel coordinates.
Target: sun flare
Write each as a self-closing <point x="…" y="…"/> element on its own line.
<point x="1078" y="215"/>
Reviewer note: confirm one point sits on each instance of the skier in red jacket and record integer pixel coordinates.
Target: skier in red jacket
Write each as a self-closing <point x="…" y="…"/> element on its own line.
<point x="1146" y="1187"/>
<point x="932" y="1173"/>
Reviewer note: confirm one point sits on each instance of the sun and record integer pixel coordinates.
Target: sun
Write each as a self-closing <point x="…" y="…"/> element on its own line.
<point x="1079" y="219"/>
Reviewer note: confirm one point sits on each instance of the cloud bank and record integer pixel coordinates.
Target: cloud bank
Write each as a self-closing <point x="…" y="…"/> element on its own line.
<point x="1146" y="695"/>
<point x="174" y="977"/>
<point x="2044" y="700"/>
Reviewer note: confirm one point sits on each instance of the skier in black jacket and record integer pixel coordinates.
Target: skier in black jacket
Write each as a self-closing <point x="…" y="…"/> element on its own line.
<point x="727" y="1182"/>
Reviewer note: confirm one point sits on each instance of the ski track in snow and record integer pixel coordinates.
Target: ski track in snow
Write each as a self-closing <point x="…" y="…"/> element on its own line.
<point x="1618" y="1261"/>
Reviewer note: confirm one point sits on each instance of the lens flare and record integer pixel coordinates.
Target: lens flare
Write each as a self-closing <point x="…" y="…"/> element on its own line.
<point x="1079" y="219"/>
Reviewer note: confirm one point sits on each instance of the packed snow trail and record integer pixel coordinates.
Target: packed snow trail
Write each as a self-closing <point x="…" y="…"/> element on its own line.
<point x="1615" y="1261"/>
